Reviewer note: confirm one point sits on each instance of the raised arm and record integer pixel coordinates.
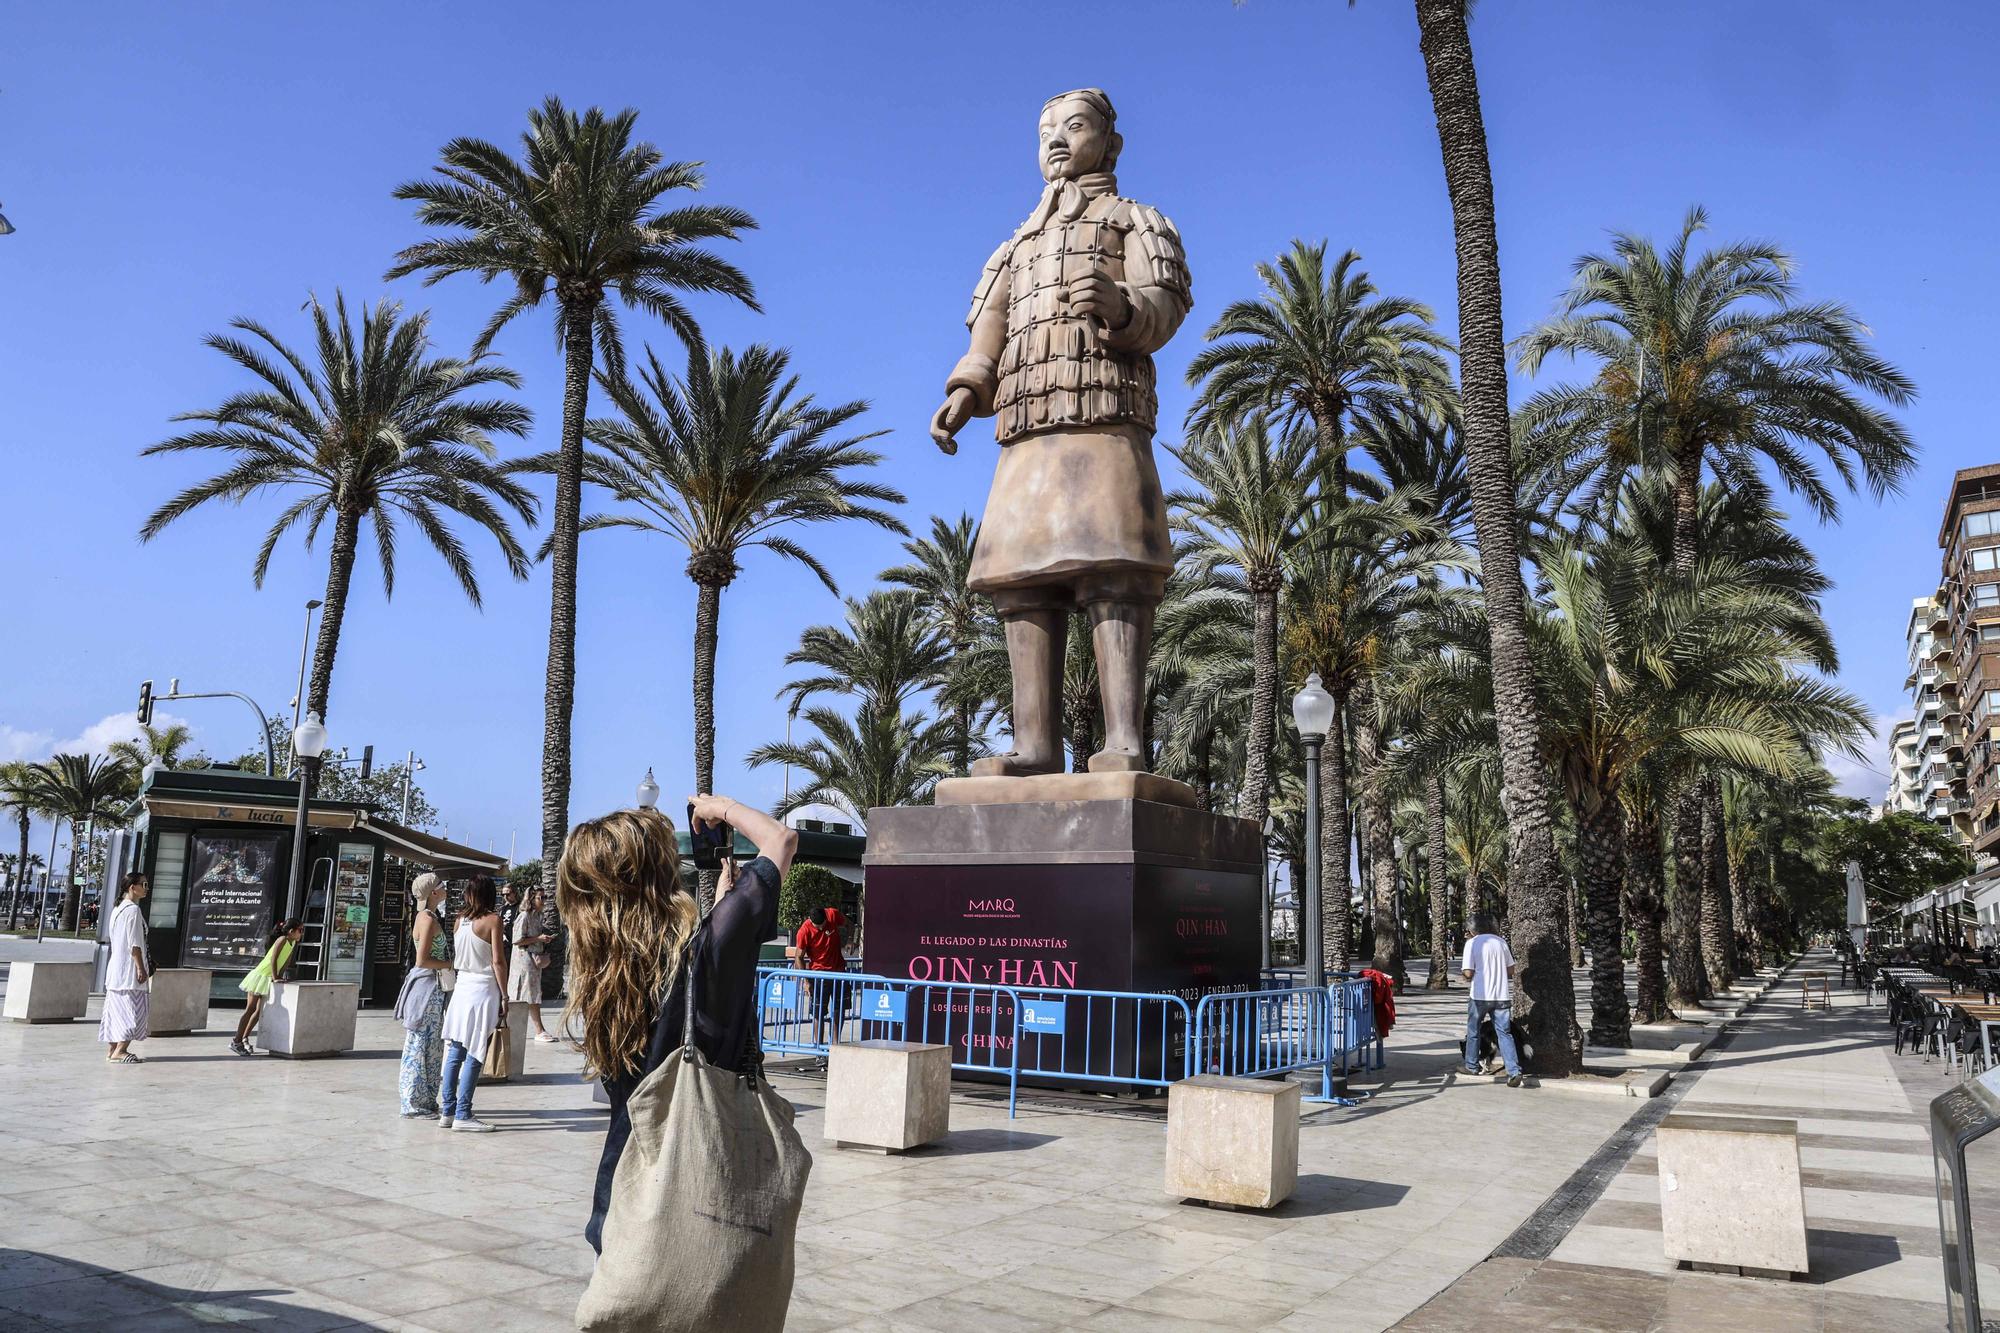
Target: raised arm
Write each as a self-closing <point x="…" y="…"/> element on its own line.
<point x="773" y="841"/>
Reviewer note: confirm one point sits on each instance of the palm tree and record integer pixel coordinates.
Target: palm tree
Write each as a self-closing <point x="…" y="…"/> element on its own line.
<point x="82" y="789"/>
<point x="1545" y="1000"/>
<point x="1247" y="513"/>
<point x="940" y="573"/>
<point x="377" y="429"/>
<point x="165" y="744"/>
<point x="17" y="794"/>
<point x="579" y="216"/>
<point x="885" y="653"/>
<point x="879" y="757"/>
<point x="1315" y="352"/>
<point x="722" y="461"/>
<point x="1711" y="362"/>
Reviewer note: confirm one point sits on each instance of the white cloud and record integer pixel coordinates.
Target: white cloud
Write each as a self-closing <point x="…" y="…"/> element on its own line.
<point x="17" y="743"/>
<point x="1867" y="779"/>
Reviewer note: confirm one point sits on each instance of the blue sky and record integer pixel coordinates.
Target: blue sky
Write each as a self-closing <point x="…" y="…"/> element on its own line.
<point x="171" y="167"/>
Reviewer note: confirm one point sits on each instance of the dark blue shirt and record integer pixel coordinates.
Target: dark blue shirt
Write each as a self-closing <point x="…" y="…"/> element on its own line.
<point x="725" y="953"/>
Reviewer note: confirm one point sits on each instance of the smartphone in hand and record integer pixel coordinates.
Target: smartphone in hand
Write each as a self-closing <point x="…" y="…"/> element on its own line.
<point x="708" y="845"/>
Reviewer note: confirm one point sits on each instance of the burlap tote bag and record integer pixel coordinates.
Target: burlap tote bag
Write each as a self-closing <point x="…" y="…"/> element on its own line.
<point x="704" y="1202"/>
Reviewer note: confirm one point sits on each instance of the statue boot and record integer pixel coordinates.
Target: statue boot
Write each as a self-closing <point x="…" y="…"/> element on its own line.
<point x="1035" y="641"/>
<point x="1121" y="634"/>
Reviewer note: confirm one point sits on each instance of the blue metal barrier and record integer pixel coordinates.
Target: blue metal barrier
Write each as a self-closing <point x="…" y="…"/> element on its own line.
<point x="1257" y="1034"/>
<point x="1136" y="1037"/>
<point x="1352" y="1021"/>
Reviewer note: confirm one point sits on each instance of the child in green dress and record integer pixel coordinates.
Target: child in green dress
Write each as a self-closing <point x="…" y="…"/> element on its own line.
<point x="257" y="986"/>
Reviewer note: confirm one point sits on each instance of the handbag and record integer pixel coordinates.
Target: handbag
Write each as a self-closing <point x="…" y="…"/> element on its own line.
<point x="497" y="1063"/>
<point x="704" y="1202"/>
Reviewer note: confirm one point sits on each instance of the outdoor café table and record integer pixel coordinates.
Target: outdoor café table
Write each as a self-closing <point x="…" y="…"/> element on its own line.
<point x="1988" y="1018"/>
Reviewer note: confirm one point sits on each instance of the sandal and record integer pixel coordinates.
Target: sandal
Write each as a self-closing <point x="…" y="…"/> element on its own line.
<point x="129" y="1059"/>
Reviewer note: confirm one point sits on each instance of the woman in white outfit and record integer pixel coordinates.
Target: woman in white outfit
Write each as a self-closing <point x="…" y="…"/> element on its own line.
<point x="530" y="956"/>
<point x="126" y="971"/>
<point x="480" y="957"/>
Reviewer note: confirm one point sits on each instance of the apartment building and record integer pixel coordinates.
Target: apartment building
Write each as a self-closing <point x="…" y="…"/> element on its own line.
<point x="1967" y="654"/>
<point x="1927" y="755"/>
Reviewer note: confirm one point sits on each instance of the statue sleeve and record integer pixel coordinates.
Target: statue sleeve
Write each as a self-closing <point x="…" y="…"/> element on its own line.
<point x="979" y="369"/>
<point x="1156" y="283"/>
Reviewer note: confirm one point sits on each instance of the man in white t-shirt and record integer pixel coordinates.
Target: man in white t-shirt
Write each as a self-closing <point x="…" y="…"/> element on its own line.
<point x="1489" y="965"/>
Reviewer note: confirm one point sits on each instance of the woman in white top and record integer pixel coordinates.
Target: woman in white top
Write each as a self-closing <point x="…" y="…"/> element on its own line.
<point x="530" y="956"/>
<point x="126" y="999"/>
<point x="479" y="956"/>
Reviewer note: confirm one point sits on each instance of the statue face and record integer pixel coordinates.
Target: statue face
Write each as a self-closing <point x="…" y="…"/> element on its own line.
<point x="1073" y="140"/>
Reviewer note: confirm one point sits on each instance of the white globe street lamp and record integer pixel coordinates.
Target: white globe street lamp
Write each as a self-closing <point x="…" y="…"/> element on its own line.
<point x="1312" y="713"/>
<point x="649" y="791"/>
<point x="308" y="744"/>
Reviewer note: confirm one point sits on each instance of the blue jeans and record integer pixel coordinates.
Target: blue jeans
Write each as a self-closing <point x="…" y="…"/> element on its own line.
<point x="461" y="1074"/>
<point x="1503" y="1030"/>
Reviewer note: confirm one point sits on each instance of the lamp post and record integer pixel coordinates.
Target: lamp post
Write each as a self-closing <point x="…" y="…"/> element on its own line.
<point x="649" y="791"/>
<point x="410" y="765"/>
<point x="1312" y="713"/>
<point x="305" y="642"/>
<point x="308" y="744"/>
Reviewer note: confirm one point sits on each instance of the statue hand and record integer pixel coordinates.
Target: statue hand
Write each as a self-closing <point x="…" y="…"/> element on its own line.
<point x="945" y="422"/>
<point x="1097" y="297"/>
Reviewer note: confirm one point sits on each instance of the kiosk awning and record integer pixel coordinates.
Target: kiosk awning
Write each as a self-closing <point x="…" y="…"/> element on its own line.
<point x="427" y="849"/>
<point x="251" y="812"/>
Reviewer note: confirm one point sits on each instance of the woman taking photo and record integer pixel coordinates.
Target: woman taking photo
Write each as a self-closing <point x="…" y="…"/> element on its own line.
<point x="630" y="919"/>
<point x="479" y="958"/>
<point x="126" y="999"/>
<point x="420" y="1004"/>
<point x="530" y="956"/>
<point x="256" y="987"/>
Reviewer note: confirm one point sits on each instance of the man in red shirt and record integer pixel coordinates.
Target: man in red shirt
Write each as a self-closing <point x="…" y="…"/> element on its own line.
<point x="818" y="948"/>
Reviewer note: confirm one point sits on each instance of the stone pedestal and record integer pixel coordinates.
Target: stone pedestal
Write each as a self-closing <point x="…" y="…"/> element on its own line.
<point x="47" y="992"/>
<point x="308" y="1019"/>
<point x="1233" y="1141"/>
<point x="180" y="1001"/>
<point x="517" y="1043"/>
<point x="1731" y="1197"/>
<point x="888" y="1094"/>
<point x="1078" y="888"/>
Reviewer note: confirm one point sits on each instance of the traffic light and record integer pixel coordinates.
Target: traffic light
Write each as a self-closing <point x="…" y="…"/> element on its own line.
<point x="367" y="761"/>
<point x="145" y="703"/>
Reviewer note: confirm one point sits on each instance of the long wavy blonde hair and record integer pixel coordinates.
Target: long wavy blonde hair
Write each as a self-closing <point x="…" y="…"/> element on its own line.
<point x="618" y="888"/>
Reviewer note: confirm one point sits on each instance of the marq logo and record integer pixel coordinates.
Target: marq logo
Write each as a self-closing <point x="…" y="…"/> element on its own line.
<point x="990" y="907"/>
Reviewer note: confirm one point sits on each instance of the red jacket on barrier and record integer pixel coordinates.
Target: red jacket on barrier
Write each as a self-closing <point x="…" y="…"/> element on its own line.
<point x="1382" y="990"/>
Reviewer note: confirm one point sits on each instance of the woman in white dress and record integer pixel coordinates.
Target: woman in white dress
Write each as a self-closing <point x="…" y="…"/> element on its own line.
<point x="479" y="956"/>
<point x="530" y="956"/>
<point x="126" y="971"/>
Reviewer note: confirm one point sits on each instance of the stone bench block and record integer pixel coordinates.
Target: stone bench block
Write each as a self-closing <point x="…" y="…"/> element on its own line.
<point x="308" y="1019"/>
<point x="1731" y="1196"/>
<point x="888" y="1094"/>
<point x="517" y="1043"/>
<point x="47" y="992"/>
<point x="180" y="1001"/>
<point x="1233" y="1140"/>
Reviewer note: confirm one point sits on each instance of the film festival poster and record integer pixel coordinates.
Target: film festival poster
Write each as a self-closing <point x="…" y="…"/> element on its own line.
<point x="231" y="886"/>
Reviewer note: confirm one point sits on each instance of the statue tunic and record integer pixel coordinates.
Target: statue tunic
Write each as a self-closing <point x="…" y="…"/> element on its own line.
<point x="1076" y="492"/>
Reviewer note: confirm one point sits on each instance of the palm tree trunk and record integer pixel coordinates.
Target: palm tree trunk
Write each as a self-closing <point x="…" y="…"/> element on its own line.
<point x="339" y="577"/>
<point x="1600" y="838"/>
<point x="1573" y="900"/>
<point x="707" y="633"/>
<point x="1440" y="880"/>
<point x="1687" y="512"/>
<point x="24" y="869"/>
<point x="1545" y="999"/>
<point x="1378" y="834"/>
<point x="72" y="901"/>
<point x="1749" y="917"/>
<point x="1647" y="904"/>
<point x="1718" y="937"/>
<point x="1335" y="889"/>
<point x="559" y="688"/>
<point x="1687" y="982"/>
<point x="1263" y="696"/>
<point x="962" y="748"/>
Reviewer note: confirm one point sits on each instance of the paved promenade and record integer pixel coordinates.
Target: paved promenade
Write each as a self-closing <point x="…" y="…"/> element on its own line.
<point x="203" y="1188"/>
<point x="1871" y="1210"/>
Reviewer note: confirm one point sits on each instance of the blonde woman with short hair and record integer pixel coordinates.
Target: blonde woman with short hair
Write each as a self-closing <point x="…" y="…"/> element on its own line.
<point x="630" y="919"/>
<point x="420" y="1004"/>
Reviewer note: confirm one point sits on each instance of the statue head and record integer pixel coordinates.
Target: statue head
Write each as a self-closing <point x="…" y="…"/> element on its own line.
<point x="1079" y="134"/>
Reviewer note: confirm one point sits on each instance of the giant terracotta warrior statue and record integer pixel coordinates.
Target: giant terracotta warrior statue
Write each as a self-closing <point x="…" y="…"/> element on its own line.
<point x="1064" y="324"/>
